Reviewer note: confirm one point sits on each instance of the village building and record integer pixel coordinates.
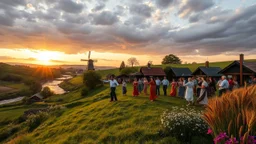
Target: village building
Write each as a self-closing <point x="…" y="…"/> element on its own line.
<point x="241" y="70"/>
<point x="175" y="73"/>
<point x="152" y="72"/>
<point x="36" y="98"/>
<point x="207" y="71"/>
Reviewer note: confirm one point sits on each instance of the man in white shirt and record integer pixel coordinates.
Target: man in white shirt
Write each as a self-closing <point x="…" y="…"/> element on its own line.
<point x="113" y="84"/>
<point x="223" y="85"/>
<point x="165" y="83"/>
<point x="158" y="83"/>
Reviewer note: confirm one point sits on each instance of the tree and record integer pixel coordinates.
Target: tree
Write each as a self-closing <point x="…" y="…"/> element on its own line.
<point x="46" y="92"/>
<point x="194" y="62"/>
<point x="128" y="70"/>
<point x="92" y="79"/>
<point x="122" y="66"/>
<point x="133" y="61"/>
<point x="171" y="59"/>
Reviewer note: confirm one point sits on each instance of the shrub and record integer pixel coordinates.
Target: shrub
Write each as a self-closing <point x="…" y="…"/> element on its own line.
<point x="35" y="120"/>
<point x="128" y="70"/>
<point x="92" y="79"/>
<point x="46" y="92"/>
<point x="183" y="123"/>
<point x="233" y="115"/>
<point x="84" y="91"/>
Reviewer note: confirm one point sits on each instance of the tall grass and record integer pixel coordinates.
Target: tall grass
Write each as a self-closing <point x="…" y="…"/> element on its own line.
<point x="233" y="113"/>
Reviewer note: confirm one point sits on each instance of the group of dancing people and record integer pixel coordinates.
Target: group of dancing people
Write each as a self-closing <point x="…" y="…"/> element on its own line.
<point x="201" y="87"/>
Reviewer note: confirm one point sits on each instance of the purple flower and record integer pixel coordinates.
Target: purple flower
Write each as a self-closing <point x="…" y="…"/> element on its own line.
<point x="231" y="141"/>
<point x="209" y="131"/>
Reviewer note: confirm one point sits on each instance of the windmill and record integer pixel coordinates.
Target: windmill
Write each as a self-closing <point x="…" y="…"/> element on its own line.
<point x="90" y="62"/>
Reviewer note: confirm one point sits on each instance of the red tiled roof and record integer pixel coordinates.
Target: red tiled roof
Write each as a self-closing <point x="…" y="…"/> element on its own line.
<point x="153" y="71"/>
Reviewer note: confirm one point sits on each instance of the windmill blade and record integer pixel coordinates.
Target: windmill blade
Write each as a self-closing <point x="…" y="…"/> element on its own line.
<point x="89" y="55"/>
<point x="84" y="60"/>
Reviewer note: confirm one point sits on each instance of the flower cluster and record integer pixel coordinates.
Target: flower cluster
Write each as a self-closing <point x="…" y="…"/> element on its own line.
<point x="183" y="122"/>
<point x="223" y="138"/>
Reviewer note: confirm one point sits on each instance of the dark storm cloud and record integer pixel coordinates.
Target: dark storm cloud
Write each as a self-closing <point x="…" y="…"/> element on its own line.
<point x="141" y="10"/>
<point x="70" y="6"/>
<point x="104" y="18"/>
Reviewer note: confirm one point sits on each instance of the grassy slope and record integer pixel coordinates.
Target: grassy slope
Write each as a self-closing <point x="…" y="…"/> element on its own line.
<point x="95" y="120"/>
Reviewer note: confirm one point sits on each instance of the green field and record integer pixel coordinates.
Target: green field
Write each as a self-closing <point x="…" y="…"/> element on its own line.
<point x="93" y="119"/>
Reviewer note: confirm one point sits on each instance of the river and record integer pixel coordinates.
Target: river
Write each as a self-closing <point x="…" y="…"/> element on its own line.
<point x="53" y="85"/>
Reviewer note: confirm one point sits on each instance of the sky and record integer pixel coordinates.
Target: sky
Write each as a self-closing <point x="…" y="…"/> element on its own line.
<point x="63" y="31"/>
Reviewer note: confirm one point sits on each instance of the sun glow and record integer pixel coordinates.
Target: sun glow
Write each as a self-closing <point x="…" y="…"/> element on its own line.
<point x="45" y="57"/>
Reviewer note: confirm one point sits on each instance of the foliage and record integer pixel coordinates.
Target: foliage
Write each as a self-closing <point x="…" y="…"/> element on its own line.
<point x="46" y="92"/>
<point x="133" y="61"/>
<point x="35" y="120"/>
<point x="233" y="113"/>
<point x="171" y="59"/>
<point x="128" y="70"/>
<point x="122" y="66"/>
<point x="12" y="78"/>
<point x="183" y="123"/>
<point x="92" y="79"/>
<point x="84" y="91"/>
<point x="167" y="72"/>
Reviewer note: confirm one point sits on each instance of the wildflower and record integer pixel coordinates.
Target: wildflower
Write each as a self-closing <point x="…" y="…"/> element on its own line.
<point x="209" y="131"/>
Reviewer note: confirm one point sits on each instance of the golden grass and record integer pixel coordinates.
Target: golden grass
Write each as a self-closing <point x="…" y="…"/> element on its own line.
<point x="234" y="113"/>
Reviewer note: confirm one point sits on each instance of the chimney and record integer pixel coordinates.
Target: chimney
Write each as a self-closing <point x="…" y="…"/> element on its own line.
<point x="207" y="64"/>
<point x="241" y="68"/>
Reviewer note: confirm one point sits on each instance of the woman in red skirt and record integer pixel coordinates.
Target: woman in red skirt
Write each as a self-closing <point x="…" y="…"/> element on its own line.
<point x="174" y="88"/>
<point x="152" y="84"/>
<point x="135" y="87"/>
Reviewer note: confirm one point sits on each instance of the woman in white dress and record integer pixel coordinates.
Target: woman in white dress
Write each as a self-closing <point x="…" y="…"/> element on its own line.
<point x="189" y="91"/>
<point x="203" y="99"/>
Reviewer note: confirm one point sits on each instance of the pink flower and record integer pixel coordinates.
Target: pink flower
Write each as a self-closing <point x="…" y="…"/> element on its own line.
<point x="209" y="131"/>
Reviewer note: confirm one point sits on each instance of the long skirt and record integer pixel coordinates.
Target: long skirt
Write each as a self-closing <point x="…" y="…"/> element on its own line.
<point x="189" y="94"/>
<point x="145" y="89"/>
<point x="135" y="91"/>
<point x="124" y="90"/>
<point x="152" y="93"/>
<point x="174" y="91"/>
<point x="181" y="92"/>
<point x="140" y="87"/>
<point x="203" y="99"/>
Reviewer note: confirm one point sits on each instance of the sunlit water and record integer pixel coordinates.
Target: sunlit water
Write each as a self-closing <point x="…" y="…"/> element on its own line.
<point x="53" y="85"/>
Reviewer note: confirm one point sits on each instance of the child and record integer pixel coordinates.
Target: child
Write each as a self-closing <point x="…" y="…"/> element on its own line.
<point x="124" y="88"/>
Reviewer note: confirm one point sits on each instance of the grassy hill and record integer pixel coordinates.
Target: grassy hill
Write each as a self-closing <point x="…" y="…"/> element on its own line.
<point x="92" y="119"/>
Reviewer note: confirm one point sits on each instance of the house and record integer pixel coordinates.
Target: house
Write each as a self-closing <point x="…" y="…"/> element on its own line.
<point x="207" y="71"/>
<point x="152" y="71"/>
<point x="136" y="75"/>
<point x="240" y="70"/>
<point x="36" y="98"/>
<point x="175" y="73"/>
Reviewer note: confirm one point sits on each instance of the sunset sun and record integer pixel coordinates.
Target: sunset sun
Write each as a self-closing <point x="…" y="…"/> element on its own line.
<point x="45" y="57"/>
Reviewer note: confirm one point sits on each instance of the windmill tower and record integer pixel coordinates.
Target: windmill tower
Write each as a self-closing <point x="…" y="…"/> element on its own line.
<point x="90" y="65"/>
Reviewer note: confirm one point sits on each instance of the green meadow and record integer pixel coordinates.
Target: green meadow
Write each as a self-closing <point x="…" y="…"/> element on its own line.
<point x="93" y="119"/>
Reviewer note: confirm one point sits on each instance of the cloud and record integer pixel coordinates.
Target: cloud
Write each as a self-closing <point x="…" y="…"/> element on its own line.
<point x="190" y="6"/>
<point x="104" y="18"/>
<point x="141" y="10"/>
<point x="164" y="3"/>
<point x="70" y="6"/>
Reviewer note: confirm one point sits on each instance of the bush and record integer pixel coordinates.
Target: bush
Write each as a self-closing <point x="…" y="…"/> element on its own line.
<point x="233" y="115"/>
<point x="84" y="92"/>
<point x="35" y="120"/>
<point x="46" y="92"/>
<point x="128" y="70"/>
<point x="183" y="123"/>
<point x="92" y="79"/>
